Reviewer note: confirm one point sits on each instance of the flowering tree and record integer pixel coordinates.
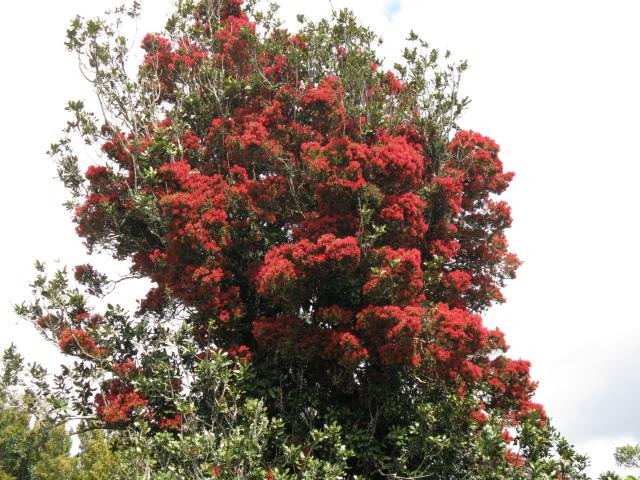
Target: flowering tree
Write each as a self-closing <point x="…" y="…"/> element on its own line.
<point x="321" y="238"/>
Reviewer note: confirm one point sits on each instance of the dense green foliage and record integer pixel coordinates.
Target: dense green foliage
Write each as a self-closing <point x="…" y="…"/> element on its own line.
<point x="32" y="446"/>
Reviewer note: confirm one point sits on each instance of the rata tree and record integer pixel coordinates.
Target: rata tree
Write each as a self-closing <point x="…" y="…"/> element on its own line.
<point x="321" y="239"/>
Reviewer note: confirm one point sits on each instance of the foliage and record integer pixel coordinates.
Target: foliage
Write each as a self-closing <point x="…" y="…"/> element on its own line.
<point x="32" y="447"/>
<point x="321" y="238"/>
<point x="609" y="475"/>
<point x="627" y="456"/>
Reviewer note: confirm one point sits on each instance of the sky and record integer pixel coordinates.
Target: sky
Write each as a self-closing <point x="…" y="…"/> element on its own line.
<point x="555" y="83"/>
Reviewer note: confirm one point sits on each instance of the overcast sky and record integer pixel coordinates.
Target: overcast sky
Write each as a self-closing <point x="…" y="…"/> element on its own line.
<point x="555" y="83"/>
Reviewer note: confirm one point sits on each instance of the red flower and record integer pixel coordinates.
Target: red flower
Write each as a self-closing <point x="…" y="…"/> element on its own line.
<point x="395" y="85"/>
<point x="118" y="402"/>
<point x="171" y="423"/>
<point x="479" y="417"/>
<point x="514" y="459"/>
<point x="75" y="340"/>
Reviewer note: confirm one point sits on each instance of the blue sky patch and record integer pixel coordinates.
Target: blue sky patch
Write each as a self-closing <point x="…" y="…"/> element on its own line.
<point x="392" y="7"/>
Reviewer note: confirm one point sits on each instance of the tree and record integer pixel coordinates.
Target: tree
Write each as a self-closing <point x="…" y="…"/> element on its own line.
<point x="34" y="448"/>
<point x="627" y="456"/>
<point x="28" y="450"/>
<point x="321" y="237"/>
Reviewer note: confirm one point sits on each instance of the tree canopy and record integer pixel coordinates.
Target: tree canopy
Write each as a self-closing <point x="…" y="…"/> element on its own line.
<point x="321" y="238"/>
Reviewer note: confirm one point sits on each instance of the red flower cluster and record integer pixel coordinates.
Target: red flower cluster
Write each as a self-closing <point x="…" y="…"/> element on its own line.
<point x="514" y="459"/>
<point x="290" y="224"/>
<point x="392" y="332"/>
<point x="125" y="369"/>
<point x="78" y="341"/>
<point x="118" y="402"/>
<point x="171" y="423"/>
<point x="290" y="272"/>
<point x="395" y="164"/>
<point x="396" y="277"/>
